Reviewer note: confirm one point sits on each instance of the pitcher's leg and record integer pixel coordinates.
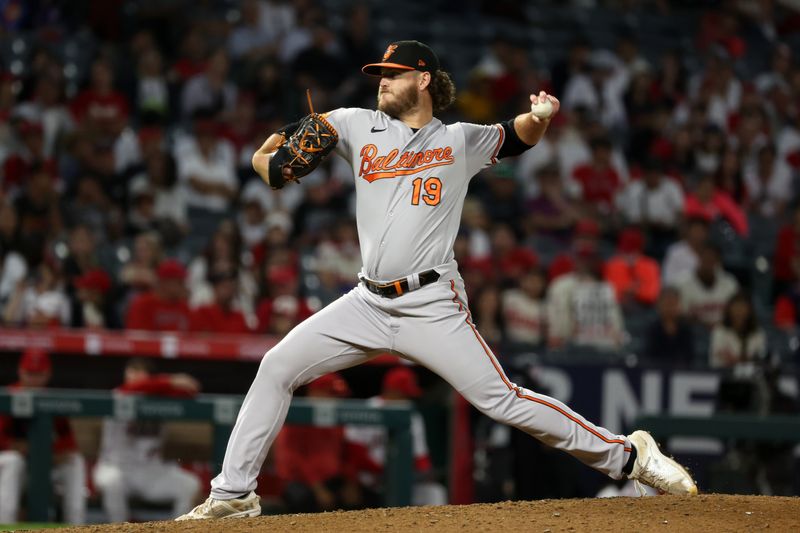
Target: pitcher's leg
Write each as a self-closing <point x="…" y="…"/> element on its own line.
<point x="451" y="346"/>
<point x="344" y="334"/>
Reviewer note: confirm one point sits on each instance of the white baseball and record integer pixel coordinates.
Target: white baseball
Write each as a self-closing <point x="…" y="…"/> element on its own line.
<point x="543" y="109"/>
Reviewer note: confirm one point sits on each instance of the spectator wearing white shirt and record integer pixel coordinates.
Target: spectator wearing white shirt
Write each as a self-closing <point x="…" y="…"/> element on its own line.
<point x="768" y="183"/>
<point x="207" y="169"/>
<point x="738" y="339"/>
<point x="778" y="76"/>
<point x="39" y="302"/>
<point x="210" y="92"/>
<point x="705" y="293"/>
<point x="582" y="309"/>
<point x="248" y="41"/>
<point x="13" y="270"/>
<point x="682" y="257"/>
<point x="46" y="106"/>
<point x="601" y="91"/>
<point x="277" y="18"/>
<point x="152" y="90"/>
<point x="525" y="309"/>
<point x="787" y="141"/>
<point x="170" y="198"/>
<point x="718" y="85"/>
<point x="13" y="266"/>
<point x="654" y="202"/>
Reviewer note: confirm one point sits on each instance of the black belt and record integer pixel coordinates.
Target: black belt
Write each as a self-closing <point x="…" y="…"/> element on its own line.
<point x="400" y="286"/>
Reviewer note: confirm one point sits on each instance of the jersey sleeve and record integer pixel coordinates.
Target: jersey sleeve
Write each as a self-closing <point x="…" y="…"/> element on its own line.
<point x="482" y="145"/>
<point x="344" y="120"/>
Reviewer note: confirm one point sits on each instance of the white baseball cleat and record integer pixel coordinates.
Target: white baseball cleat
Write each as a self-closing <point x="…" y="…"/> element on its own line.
<point x="656" y="470"/>
<point x="243" y="507"/>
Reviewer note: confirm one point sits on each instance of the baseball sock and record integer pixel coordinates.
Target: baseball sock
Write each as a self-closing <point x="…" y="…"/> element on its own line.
<point x="628" y="468"/>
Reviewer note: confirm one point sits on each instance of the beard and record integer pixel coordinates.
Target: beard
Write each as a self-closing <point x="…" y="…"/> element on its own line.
<point x="404" y="101"/>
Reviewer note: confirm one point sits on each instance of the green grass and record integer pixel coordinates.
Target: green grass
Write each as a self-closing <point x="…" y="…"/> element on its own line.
<point x="30" y="525"/>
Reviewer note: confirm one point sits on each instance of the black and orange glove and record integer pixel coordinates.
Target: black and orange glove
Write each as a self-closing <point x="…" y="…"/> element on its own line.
<point x="304" y="150"/>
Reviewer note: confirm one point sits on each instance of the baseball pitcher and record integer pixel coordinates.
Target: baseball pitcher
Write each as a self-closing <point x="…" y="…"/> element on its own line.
<point x="411" y="175"/>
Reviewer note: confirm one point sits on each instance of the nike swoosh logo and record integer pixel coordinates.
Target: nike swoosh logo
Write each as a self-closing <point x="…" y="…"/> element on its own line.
<point x="373" y="130"/>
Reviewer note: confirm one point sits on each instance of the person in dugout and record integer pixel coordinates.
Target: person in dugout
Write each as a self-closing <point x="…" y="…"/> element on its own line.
<point x="317" y="465"/>
<point x="130" y="462"/>
<point x="69" y="467"/>
<point x="399" y="385"/>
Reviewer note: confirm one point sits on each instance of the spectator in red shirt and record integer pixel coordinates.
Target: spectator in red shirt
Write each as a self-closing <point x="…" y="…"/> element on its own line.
<point x="711" y="203"/>
<point x="27" y="158"/>
<point x="787" y="304"/>
<point x="91" y="305"/>
<point x="69" y="467"/>
<point x="220" y="316"/>
<point x="787" y="250"/>
<point x="598" y="179"/>
<point x="787" y="310"/>
<point x="282" y="308"/>
<point x="510" y="259"/>
<point x="635" y="277"/>
<point x="586" y="233"/>
<point x="316" y="463"/>
<point x="100" y="103"/>
<point x="192" y="55"/>
<point x="8" y="99"/>
<point x="721" y="27"/>
<point x="165" y="308"/>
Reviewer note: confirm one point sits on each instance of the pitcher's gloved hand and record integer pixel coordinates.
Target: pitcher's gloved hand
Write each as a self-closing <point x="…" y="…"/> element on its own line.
<point x="303" y="151"/>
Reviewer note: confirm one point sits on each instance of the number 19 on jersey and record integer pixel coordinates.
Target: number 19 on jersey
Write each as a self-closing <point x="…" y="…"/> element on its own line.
<point x="432" y="191"/>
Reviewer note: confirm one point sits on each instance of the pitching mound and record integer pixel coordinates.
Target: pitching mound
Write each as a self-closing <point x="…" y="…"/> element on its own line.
<point x="706" y="513"/>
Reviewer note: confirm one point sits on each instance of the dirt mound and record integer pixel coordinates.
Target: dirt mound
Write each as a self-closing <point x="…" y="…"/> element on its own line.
<point x="708" y="513"/>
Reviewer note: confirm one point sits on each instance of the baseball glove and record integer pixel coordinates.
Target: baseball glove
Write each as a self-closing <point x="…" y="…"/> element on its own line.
<point x="304" y="150"/>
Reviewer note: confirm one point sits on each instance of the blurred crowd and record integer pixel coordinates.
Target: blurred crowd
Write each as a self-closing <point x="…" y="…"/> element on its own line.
<point x="658" y="216"/>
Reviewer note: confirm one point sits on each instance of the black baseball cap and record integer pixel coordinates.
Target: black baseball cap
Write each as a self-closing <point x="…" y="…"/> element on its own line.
<point x="405" y="55"/>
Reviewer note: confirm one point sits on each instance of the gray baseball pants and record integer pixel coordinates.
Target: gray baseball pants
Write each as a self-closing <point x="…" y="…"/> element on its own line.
<point x="431" y="327"/>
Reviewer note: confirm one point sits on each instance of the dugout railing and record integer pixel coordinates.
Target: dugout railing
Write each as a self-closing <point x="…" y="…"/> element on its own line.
<point x="220" y="410"/>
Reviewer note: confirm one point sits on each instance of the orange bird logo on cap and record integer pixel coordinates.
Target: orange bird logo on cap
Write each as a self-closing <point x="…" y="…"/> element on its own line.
<point x="389" y="51"/>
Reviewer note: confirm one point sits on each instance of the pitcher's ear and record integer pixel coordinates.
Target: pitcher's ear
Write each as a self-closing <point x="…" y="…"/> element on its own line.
<point x="424" y="80"/>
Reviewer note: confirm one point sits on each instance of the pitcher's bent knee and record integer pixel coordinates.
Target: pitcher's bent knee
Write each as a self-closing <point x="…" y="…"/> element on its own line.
<point x="276" y="370"/>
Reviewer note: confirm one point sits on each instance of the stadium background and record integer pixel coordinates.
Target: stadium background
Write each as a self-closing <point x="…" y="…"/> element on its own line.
<point x="702" y="84"/>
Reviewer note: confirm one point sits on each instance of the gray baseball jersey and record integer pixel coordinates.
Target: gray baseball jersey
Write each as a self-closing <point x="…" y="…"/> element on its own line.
<point x="410" y="188"/>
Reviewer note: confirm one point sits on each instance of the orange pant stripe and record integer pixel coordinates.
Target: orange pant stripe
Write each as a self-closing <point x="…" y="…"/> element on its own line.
<point x="517" y="391"/>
